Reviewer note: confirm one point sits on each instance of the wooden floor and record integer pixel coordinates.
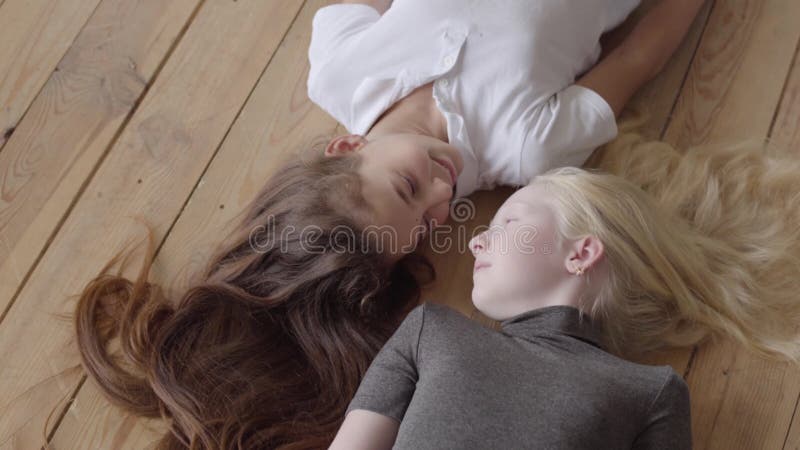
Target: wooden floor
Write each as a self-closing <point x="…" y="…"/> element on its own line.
<point x="177" y="111"/>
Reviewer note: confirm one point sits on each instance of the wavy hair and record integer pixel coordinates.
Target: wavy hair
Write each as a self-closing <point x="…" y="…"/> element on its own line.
<point x="698" y="244"/>
<point x="269" y="346"/>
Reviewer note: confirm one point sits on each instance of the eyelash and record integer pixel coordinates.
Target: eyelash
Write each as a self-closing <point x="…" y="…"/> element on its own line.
<point x="411" y="185"/>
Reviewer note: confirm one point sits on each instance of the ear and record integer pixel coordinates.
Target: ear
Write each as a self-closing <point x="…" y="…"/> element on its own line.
<point x="584" y="253"/>
<point x="344" y="145"/>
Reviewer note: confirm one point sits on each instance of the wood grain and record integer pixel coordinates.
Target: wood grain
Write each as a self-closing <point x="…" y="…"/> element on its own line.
<point x="785" y="132"/>
<point x="70" y="125"/>
<point x="738" y="401"/>
<point x="728" y="86"/>
<point x="657" y="98"/>
<point x="36" y="34"/>
<point x="276" y="120"/>
<point x="167" y="144"/>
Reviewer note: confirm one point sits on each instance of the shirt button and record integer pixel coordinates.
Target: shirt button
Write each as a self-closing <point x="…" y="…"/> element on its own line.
<point x="449" y="60"/>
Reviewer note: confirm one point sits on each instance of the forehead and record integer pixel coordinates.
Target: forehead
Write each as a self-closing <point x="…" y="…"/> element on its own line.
<point x="532" y="196"/>
<point x="377" y="148"/>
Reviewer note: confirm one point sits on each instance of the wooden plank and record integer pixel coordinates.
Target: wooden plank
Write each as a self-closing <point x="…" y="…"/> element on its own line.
<point x="277" y="118"/>
<point x="718" y="101"/>
<point x="34" y="35"/>
<point x="657" y="98"/>
<point x="785" y="132"/>
<point x="738" y="400"/>
<point x="68" y="128"/>
<point x="167" y="144"/>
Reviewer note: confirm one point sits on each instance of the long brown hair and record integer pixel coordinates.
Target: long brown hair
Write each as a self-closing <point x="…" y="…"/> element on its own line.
<point x="269" y="346"/>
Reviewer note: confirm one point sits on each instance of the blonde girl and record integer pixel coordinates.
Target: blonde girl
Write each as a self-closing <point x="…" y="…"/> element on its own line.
<point x="580" y="268"/>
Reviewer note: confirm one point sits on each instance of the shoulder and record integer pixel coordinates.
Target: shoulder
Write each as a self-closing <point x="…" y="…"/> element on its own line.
<point x="663" y="391"/>
<point x="437" y="312"/>
<point x="428" y="312"/>
<point x="639" y="383"/>
<point x="660" y="380"/>
<point x="334" y="29"/>
<point x="650" y="377"/>
<point x="340" y="18"/>
<point x="670" y="393"/>
<point x="445" y="324"/>
<point x="438" y="315"/>
<point x="666" y="421"/>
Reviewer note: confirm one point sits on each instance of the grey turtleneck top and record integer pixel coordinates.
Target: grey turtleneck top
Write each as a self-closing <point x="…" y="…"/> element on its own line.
<point x="542" y="382"/>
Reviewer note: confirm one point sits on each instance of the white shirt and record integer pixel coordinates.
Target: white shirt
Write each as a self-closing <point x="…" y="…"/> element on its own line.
<point x="503" y="70"/>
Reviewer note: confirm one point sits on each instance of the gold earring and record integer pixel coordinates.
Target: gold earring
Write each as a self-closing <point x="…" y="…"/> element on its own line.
<point x="579" y="271"/>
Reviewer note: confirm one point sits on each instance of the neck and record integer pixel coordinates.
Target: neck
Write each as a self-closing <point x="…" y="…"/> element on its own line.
<point x="566" y="293"/>
<point x="410" y="117"/>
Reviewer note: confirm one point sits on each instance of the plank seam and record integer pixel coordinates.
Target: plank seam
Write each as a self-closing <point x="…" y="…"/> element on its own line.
<point x="789" y="73"/>
<point x="210" y="161"/>
<point x="55" y="69"/>
<point x="227" y="132"/>
<point x="69" y="403"/>
<point x="86" y="182"/>
<point x="97" y="165"/>
<point x="668" y="122"/>
<point x="690" y="363"/>
<point x="791" y="421"/>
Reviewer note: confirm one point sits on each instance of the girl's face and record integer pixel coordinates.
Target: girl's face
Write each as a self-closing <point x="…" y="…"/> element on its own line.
<point x="518" y="261"/>
<point x="408" y="182"/>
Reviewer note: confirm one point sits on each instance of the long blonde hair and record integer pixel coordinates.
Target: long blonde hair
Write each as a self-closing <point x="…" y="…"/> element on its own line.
<point x="698" y="244"/>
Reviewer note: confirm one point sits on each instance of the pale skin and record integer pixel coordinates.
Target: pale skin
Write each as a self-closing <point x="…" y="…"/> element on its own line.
<point x="507" y="280"/>
<point x="415" y="126"/>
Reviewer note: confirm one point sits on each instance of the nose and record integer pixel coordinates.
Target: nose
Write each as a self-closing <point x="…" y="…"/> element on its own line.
<point x="438" y="200"/>
<point x="476" y="244"/>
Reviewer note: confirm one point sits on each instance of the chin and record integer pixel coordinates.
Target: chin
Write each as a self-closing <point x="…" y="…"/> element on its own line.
<point x="476" y="301"/>
<point x="480" y="303"/>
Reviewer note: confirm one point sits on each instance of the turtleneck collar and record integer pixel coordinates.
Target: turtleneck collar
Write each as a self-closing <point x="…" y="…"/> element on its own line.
<point x="558" y="319"/>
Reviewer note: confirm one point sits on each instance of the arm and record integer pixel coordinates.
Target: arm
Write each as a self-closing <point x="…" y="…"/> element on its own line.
<point x="380" y="5"/>
<point x="365" y="430"/>
<point x="643" y="53"/>
<point x="373" y="417"/>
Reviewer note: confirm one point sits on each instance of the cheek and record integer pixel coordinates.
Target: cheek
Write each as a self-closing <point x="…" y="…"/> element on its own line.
<point x="526" y="270"/>
<point x="415" y="158"/>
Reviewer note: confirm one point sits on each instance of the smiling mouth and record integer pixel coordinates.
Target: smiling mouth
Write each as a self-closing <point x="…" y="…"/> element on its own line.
<point x="479" y="266"/>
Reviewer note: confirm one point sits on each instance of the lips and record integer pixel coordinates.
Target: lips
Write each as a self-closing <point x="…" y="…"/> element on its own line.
<point x="479" y="265"/>
<point x="448" y="166"/>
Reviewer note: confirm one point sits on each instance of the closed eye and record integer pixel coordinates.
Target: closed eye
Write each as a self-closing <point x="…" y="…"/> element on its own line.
<point x="410" y="185"/>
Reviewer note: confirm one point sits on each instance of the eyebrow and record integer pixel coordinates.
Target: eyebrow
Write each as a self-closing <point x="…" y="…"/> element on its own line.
<point x="508" y="206"/>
